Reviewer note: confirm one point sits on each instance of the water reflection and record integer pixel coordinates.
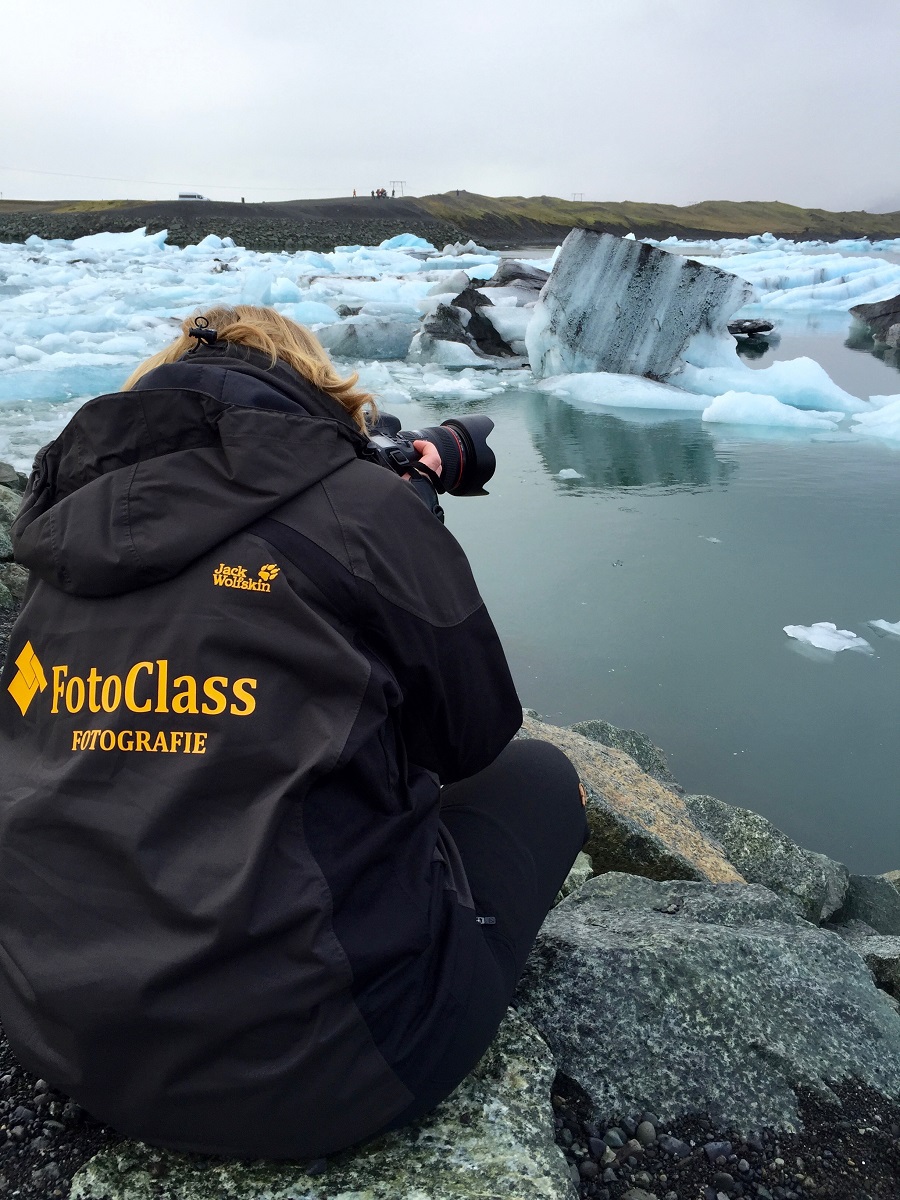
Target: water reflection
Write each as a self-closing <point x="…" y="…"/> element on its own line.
<point x="859" y="337"/>
<point x="607" y="451"/>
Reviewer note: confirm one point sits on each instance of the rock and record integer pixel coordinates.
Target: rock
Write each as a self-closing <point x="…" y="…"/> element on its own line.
<point x="689" y="997"/>
<point x="879" y="317"/>
<point x="581" y="872"/>
<point x="9" y="476"/>
<point x="893" y="878"/>
<point x="492" y="1137"/>
<point x="647" y="756"/>
<point x="617" y="305"/>
<point x="15" y="578"/>
<point x="763" y="854"/>
<point x="873" y="899"/>
<point x="881" y="955"/>
<point x="749" y="328"/>
<point x="6" y="549"/>
<point x="8" y="601"/>
<point x="9" y="505"/>
<point x="637" y="824"/>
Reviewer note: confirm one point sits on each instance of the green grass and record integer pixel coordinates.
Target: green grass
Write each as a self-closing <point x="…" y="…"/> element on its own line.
<point x="716" y="216"/>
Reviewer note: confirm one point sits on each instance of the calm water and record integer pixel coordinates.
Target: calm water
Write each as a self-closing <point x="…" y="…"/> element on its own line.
<point x="653" y="591"/>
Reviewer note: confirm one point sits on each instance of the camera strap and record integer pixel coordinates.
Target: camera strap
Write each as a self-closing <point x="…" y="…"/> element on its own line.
<point x="432" y="476"/>
<point x="427" y="493"/>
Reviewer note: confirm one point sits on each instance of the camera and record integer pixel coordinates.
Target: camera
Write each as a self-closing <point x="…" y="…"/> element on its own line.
<point x="467" y="461"/>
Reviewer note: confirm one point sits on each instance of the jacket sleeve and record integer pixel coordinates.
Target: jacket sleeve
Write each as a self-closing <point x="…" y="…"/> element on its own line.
<point x="422" y="615"/>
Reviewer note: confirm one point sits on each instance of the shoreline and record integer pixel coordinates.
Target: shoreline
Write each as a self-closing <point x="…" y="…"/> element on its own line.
<point x="497" y="223"/>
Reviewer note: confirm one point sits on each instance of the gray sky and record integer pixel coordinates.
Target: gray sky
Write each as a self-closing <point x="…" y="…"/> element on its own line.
<point x="668" y="100"/>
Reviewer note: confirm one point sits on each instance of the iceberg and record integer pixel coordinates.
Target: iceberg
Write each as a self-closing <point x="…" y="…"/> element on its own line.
<point x="621" y="391"/>
<point x="750" y="408"/>
<point x="883" y="422"/>
<point x="887" y="626"/>
<point x="623" y="306"/>
<point x="826" y="636"/>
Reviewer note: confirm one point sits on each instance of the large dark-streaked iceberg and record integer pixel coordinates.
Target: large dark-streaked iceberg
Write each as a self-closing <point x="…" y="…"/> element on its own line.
<point x="613" y="304"/>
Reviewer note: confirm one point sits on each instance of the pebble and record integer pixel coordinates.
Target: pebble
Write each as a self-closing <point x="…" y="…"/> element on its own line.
<point x="714" y="1150"/>
<point x="743" y="1166"/>
<point x="588" y="1169"/>
<point x="633" y="1146"/>
<point x="675" y="1146"/>
<point x="646" y="1133"/>
<point x="596" y="1146"/>
<point x="613" y="1137"/>
<point x="608" y="1156"/>
<point x="609" y="1175"/>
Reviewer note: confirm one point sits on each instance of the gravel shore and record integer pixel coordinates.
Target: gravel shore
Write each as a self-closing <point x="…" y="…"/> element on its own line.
<point x="846" y="1153"/>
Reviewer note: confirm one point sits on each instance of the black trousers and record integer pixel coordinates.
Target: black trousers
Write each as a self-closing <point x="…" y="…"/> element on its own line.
<point x="519" y="825"/>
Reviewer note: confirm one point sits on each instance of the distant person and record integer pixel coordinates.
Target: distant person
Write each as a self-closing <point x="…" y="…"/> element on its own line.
<point x="271" y="860"/>
<point x="373" y="192"/>
<point x="354" y="191"/>
<point x="392" y="193"/>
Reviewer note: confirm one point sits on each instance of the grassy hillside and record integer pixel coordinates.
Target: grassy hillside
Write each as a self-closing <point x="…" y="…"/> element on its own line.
<point x="496" y="221"/>
<point x="712" y="218"/>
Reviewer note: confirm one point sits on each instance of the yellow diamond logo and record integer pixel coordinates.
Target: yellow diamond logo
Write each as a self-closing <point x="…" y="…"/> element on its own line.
<point x="29" y="680"/>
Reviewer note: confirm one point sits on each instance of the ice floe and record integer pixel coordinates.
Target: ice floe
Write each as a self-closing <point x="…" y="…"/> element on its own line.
<point x="621" y="391"/>
<point x="749" y="408"/>
<point x="824" y="635"/>
<point x="883" y="422"/>
<point x="887" y="626"/>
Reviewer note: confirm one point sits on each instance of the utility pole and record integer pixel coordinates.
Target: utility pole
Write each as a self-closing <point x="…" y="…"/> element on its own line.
<point x="577" y="196"/>
<point x="398" y="183"/>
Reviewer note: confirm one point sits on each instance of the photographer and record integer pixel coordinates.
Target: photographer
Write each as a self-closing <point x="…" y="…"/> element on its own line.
<point x="270" y="865"/>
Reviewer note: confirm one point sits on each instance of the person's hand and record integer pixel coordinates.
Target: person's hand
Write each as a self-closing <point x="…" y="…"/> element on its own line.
<point x="428" y="454"/>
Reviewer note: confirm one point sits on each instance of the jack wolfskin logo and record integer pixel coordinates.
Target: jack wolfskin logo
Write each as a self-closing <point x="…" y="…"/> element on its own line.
<point x="236" y="577"/>
<point x="29" y="680"/>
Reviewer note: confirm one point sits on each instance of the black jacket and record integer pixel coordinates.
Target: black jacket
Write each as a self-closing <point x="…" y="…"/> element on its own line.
<point x="230" y="918"/>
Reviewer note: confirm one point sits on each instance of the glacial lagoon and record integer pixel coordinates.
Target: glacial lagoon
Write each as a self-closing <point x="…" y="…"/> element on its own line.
<point x="639" y="565"/>
<point x="652" y="592"/>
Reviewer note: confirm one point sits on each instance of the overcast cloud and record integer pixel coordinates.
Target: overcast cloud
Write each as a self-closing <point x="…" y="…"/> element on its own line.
<point x="658" y="100"/>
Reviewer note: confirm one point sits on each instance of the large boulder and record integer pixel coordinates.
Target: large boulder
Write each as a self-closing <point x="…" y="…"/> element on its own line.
<point x="873" y="899"/>
<point x="612" y="304"/>
<point x="492" y="1137"/>
<point x="893" y="878"/>
<point x="814" y="884"/>
<point x="684" y="997"/>
<point x="647" y="756"/>
<point x="637" y="824"/>
<point x="881" y="955"/>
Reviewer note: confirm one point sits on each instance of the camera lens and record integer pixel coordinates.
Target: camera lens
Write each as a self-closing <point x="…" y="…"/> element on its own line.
<point x="467" y="461"/>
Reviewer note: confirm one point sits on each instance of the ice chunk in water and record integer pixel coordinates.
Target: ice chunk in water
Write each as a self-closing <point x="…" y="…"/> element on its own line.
<point x="887" y="626"/>
<point x="621" y="391"/>
<point x="622" y="306"/>
<point x="883" y="422"/>
<point x="748" y="408"/>
<point x="799" y="381"/>
<point x="826" y="636"/>
<point x="569" y="473"/>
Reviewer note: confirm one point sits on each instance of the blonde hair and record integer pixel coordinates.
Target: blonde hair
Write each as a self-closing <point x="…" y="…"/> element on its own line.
<point x="268" y="331"/>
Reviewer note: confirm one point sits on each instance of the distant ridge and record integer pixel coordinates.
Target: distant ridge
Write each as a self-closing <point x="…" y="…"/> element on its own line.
<point x="497" y="222"/>
<point x="516" y="216"/>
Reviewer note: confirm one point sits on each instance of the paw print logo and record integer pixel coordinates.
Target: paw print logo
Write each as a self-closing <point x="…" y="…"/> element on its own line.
<point x="268" y="572"/>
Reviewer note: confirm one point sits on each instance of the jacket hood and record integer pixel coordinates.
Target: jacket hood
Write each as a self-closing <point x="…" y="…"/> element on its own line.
<point x="141" y="483"/>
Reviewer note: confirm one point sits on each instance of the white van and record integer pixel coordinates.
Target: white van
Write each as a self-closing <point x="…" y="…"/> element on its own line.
<point x="191" y="196"/>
